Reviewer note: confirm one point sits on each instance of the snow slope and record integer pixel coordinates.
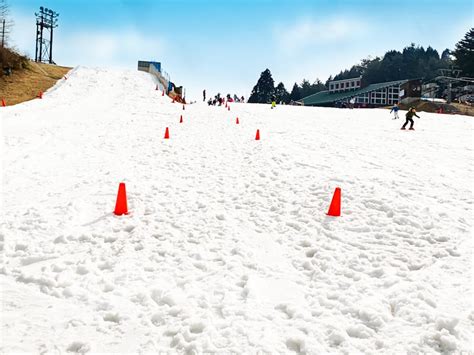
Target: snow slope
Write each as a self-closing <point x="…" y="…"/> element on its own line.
<point x="227" y="246"/>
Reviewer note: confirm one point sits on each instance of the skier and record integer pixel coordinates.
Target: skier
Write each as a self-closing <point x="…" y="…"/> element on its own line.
<point x="395" y="109"/>
<point x="409" y="118"/>
<point x="273" y="102"/>
<point x="204" y="95"/>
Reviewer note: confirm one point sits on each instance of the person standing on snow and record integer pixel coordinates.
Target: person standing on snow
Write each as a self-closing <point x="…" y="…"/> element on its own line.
<point x="409" y="118"/>
<point x="273" y="102"/>
<point x="395" y="109"/>
<point x="352" y="102"/>
<point x="204" y="95"/>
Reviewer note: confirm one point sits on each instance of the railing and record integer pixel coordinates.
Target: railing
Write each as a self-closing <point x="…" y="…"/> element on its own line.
<point x="164" y="81"/>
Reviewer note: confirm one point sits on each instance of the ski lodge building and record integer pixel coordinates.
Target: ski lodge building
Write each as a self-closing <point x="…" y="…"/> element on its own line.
<point x="349" y="90"/>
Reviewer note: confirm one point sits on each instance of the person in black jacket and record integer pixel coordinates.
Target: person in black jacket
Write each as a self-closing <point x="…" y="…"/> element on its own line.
<point x="409" y="118"/>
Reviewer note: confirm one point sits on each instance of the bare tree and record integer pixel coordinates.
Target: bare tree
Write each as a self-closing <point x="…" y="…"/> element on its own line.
<point x="6" y="23"/>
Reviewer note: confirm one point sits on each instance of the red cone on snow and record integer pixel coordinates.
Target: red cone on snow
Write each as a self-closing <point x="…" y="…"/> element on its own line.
<point x="335" y="207"/>
<point x="257" y="136"/>
<point x="237" y="120"/>
<point x="121" y="204"/>
<point x="40" y="95"/>
<point x="167" y="133"/>
<point x="163" y="94"/>
<point x="3" y="103"/>
<point x="181" y="119"/>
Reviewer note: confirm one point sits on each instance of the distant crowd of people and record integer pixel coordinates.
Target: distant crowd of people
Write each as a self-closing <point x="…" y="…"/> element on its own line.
<point x="218" y="100"/>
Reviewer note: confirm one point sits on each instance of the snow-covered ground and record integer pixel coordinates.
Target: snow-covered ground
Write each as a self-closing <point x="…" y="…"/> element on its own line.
<point x="227" y="247"/>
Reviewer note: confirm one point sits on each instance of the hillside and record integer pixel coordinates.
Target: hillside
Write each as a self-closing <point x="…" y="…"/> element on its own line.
<point x="25" y="84"/>
<point x="227" y="247"/>
<point x="433" y="107"/>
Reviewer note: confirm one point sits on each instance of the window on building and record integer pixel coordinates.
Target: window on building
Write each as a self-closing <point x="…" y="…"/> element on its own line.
<point x="352" y="83"/>
<point x="337" y="86"/>
<point x="358" y="83"/>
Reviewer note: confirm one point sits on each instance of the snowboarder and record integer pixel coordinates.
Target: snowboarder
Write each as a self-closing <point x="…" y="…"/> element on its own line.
<point x="273" y="102"/>
<point x="409" y="118"/>
<point x="395" y="109"/>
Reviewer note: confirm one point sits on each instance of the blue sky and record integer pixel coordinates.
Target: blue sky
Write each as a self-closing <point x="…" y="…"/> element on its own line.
<point x="223" y="46"/>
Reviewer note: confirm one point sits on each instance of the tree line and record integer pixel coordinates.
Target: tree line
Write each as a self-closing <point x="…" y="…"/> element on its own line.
<point x="413" y="62"/>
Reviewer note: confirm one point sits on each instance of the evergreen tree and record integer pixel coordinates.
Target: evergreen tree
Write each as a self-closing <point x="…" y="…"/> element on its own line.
<point x="446" y="55"/>
<point x="464" y="54"/>
<point x="318" y="86"/>
<point x="329" y="79"/>
<point x="281" y="94"/>
<point x="264" y="89"/>
<point x="295" y="93"/>
<point x="305" y="88"/>
<point x="412" y="63"/>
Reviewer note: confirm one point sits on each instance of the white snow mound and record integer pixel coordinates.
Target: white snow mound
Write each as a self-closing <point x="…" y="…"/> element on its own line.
<point x="227" y="246"/>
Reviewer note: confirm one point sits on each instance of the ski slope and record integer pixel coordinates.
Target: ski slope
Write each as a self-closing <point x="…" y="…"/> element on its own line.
<point x="227" y="246"/>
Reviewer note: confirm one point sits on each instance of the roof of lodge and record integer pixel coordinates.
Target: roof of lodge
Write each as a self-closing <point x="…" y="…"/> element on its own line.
<point x="324" y="97"/>
<point x="338" y="80"/>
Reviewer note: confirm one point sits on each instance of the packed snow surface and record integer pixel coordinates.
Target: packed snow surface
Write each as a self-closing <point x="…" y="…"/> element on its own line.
<point x="227" y="246"/>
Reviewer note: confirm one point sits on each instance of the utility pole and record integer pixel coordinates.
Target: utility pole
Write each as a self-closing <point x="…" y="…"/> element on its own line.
<point x="46" y="19"/>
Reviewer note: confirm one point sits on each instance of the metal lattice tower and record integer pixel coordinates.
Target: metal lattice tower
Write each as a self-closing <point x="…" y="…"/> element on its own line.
<point x="46" y="20"/>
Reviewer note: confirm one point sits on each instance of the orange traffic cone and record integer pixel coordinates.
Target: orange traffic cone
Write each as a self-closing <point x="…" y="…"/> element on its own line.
<point x="121" y="204"/>
<point x="257" y="136"/>
<point x="40" y="95"/>
<point x="167" y="133"/>
<point x="237" y="120"/>
<point x="181" y="119"/>
<point x="335" y="207"/>
<point x="3" y="103"/>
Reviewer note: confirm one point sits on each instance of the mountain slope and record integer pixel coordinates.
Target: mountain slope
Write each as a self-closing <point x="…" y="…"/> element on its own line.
<point x="227" y="246"/>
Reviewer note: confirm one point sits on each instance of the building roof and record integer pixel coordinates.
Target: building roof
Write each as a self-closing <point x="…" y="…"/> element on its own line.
<point x="350" y="79"/>
<point x="325" y="97"/>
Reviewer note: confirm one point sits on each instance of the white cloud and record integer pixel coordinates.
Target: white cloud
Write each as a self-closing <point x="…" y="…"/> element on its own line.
<point x="309" y="32"/>
<point x="102" y="48"/>
<point x="22" y="34"/>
